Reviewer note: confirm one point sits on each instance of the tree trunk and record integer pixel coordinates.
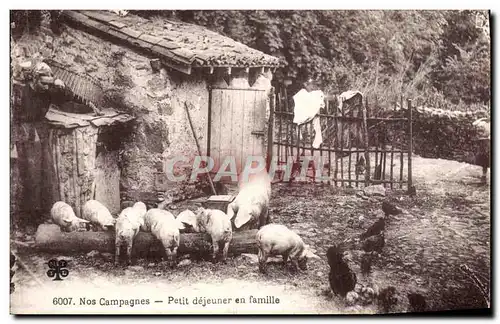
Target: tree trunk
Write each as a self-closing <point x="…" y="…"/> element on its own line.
<point x="49" y="238"/>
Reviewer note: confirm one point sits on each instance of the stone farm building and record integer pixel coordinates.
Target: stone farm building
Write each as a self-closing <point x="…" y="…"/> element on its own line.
<point x="148" y="72"/>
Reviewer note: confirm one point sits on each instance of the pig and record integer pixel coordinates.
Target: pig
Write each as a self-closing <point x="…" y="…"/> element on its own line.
<point x="188" y="220"/>
<point x="276" y="239"/>
<point x="97" y="214"/>
<point x="141" y="207"/>
<point x="164" y="227"/>
<point x="63" y="215"/>
<point x="218" y="225"/>
<point x="250" y="208"/>
<point x="127" y="225"/>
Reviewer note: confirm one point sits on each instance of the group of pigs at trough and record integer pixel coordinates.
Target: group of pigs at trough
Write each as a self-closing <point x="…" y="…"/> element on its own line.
<point x="249" y="210"/>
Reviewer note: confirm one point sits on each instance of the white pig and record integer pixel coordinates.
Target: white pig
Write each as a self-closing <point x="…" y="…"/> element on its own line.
<point x="98" y="215"/>
<point x="163" y="225"/>
<point x="63" y="215"/>
<point x="218" y="225"/>
<point x="276" y="239"/>
<point x="141" y="208"/>
<point x="127" y="226"/>
<point x="251" y="205"/>
<point x="188" y="219"/>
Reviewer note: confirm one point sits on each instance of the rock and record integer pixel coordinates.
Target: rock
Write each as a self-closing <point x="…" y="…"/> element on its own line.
<point x="136" y="268"/>
<point x="319" y="274"/>
<point x="357" y="288"/>
<point x="377" y="190"/>
<point x="28" y="238"/>
<point x="252" y="258"/>
<point x="184" y="263"/>
<point x="361" y="218"/>
<point x="242" y="266"/>
<point x="93" y="254"/>
<point x="351" y="298"/>
<point x="152" y="264"/>
<point x="157" y="274"/>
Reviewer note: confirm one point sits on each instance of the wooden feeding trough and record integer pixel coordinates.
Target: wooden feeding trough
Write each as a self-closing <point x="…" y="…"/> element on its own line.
<point x="50" y="238"/>
<point x="218" y="202"/>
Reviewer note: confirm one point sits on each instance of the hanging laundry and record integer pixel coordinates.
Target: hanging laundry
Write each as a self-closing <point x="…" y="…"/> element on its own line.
<point x="306" y="107"/>
<point x="344" y="96"/>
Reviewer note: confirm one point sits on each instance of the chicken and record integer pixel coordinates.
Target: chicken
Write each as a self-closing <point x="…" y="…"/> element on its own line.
<point x="375" y="229"/>
<point x="417" y="302"/>
<point x="342" y="278"/>
<point x="366" y="263"/>
<point x="374" y="243"/>
<point x="390" y="209"/>
<point x="387" y="298"/>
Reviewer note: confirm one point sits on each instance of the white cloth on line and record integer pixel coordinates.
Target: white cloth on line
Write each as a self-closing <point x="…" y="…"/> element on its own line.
<point x="306" y="107"/>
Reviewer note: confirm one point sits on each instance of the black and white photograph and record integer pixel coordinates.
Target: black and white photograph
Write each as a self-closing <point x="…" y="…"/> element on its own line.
<point x="250" y="162"/>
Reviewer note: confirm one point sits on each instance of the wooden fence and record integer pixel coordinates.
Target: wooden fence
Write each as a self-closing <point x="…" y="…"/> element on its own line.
<point x="350" y="135"/>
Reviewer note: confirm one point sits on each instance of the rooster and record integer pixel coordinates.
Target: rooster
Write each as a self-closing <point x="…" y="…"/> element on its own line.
<point x="342" y="278"/>
<point x="375" y="229"/>
<point x="417" y="302"/>
<point x="374" y="243"/>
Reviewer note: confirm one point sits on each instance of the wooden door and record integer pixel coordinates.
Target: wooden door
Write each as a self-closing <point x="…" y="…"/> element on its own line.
<point x="237" y="125"/>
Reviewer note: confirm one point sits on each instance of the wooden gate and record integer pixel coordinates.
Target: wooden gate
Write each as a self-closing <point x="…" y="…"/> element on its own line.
<point x="359" y="147"/>
<point x="236" y="125"/>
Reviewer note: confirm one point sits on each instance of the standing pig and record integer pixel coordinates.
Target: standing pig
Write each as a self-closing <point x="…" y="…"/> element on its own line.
<point x="63" y="215"/>
<point x="163" y="225"/>
<point x="97" y="214"/>
<point x="276" y="239"/>
<point x="218" y="225"/>
<point x="250" y="208"/>
<point x="127" y="226"/>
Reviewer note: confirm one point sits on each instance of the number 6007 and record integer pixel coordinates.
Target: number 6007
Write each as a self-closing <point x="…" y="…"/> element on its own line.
<point x="61" y="301"/>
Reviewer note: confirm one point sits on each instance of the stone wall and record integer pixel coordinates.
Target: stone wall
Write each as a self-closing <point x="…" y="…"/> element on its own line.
<point x="161" y="129"/>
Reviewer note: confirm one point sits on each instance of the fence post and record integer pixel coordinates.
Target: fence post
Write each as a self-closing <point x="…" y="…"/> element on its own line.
<point x="270" y="129"/>
<point x="410" y="146"/>
<point x="365" y="135"/>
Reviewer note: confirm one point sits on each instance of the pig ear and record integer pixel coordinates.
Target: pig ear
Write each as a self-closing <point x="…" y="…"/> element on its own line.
<point x="230" y="211"/>
<point x="83" y="220"/>
<point x="242" y="218"/>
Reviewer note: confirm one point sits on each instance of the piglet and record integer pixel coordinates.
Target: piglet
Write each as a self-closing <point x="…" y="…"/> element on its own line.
<point x="127" y="226"/>
<point x="97" y="214"/>
<point x="276" y="239"/>
<point x="164" y="227"/>
<point x="63" y="215"/>
<point x="218" y="225"/>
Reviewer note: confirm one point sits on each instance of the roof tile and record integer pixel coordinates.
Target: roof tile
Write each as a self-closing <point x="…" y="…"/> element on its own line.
<point x="99" y="15"/>
<point x="117" y="24"/>
<point x="131" y="32"/>
<point x="150" y="39"/>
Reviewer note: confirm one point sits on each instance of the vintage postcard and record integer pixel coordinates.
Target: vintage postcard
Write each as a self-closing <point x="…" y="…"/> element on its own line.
<point x="250" y="162"/>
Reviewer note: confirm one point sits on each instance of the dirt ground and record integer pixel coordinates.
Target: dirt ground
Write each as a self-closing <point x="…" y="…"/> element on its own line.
<point x="445" y="225"/>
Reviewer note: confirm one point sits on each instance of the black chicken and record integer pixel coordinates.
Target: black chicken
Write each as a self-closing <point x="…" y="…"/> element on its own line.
<point x="387" y="298"/>
<point x="417" y="302"/>
<point x="342" y="278"/>
<point x="375" y="229"/>
<point x="366" y="263"/>
<point x="374" y="243"/>
<point x="389" y="209"/>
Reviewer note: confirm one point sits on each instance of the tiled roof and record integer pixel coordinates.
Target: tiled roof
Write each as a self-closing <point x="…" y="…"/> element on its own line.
<point x="183" y="44"/>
